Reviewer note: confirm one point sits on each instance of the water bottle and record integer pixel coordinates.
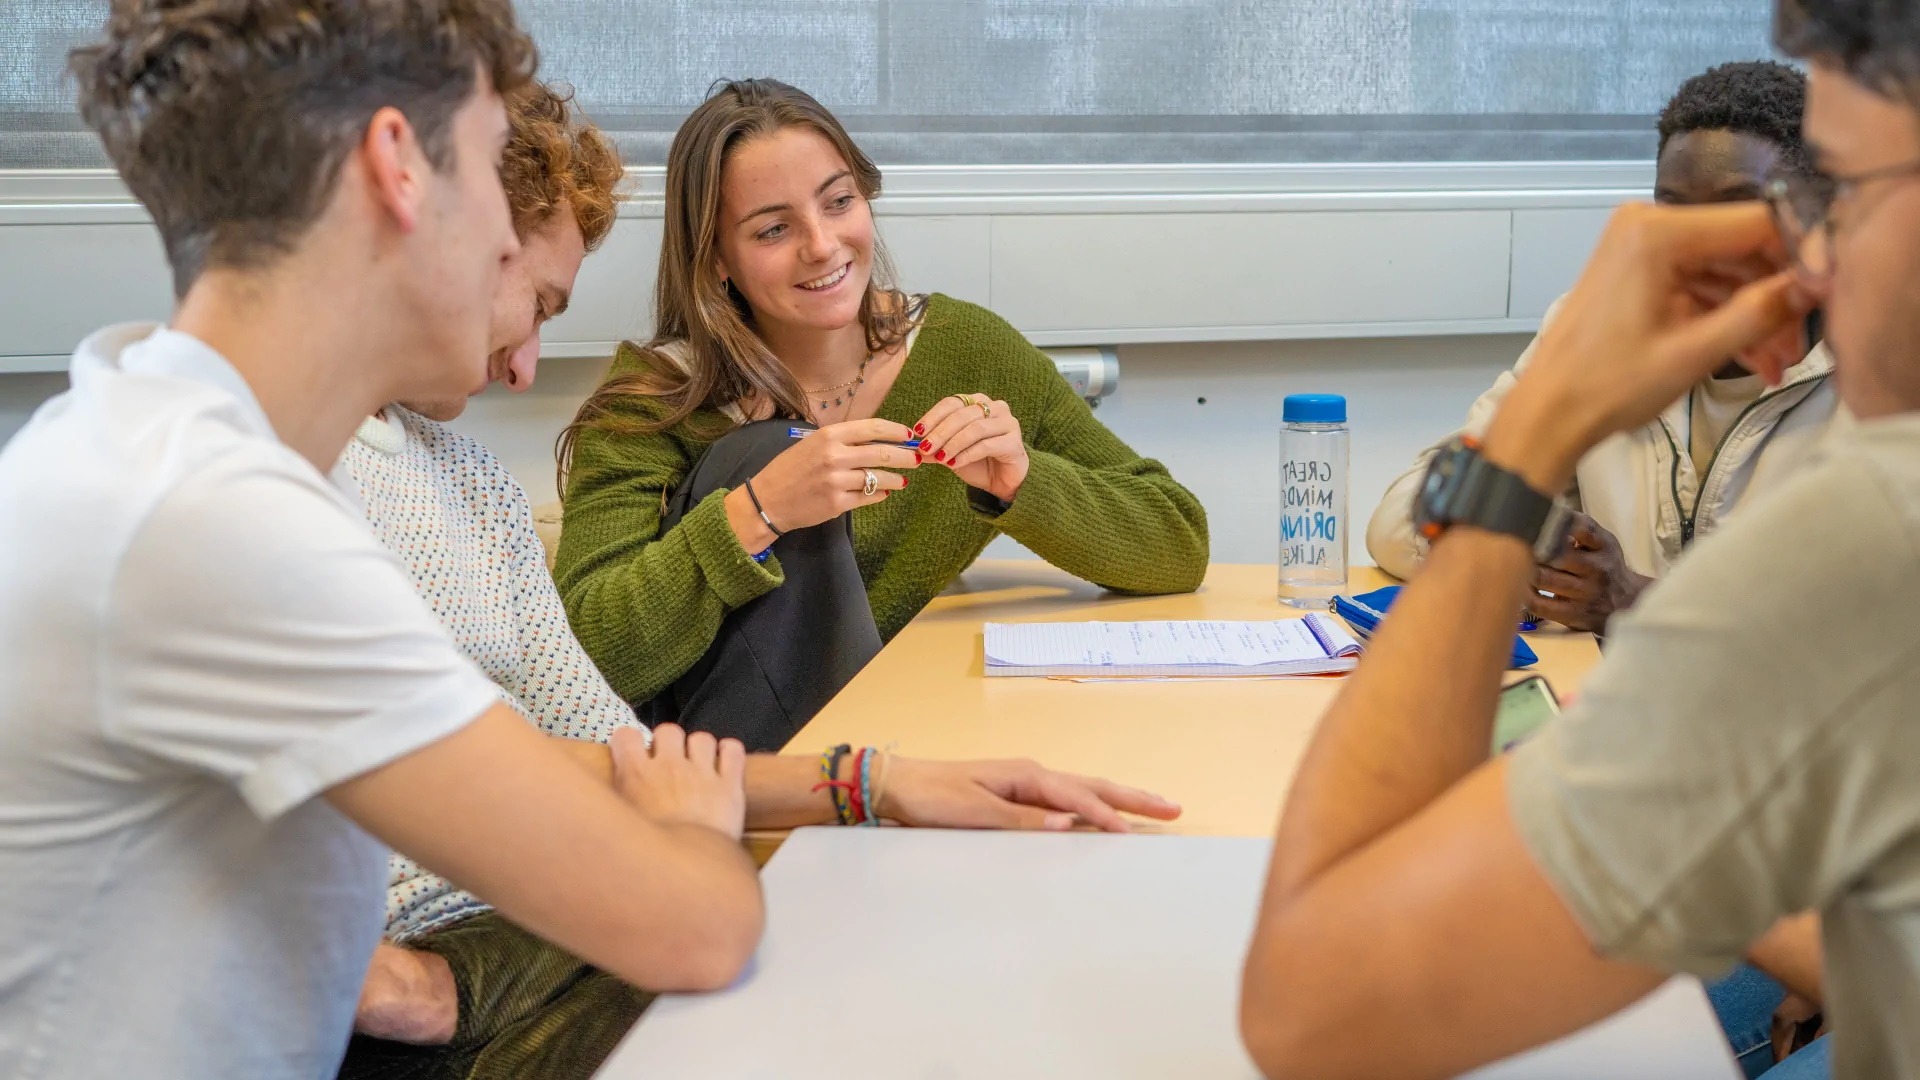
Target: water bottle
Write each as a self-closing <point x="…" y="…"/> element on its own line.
<point x="1313" y="499"/>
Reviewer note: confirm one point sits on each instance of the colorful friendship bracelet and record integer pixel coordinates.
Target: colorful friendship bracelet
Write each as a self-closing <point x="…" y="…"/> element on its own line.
<point x="856" y="794"/>
<point x="837" y="789"/>
<point x="879" y="782"/>
<point x="855" y="801"/>
<point x="869" y="816"/>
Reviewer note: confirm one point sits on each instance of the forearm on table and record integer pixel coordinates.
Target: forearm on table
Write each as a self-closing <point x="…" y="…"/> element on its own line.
<point x="780" y="788"/>
<point x="1131" y="528"/>
<point x="1417" y="715"/>
<point x="781" y="795"/>
<point x="666" y="906"/>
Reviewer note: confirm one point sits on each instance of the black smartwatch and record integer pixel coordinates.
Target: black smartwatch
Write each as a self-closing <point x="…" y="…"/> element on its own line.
<point x="1463" y="488"/>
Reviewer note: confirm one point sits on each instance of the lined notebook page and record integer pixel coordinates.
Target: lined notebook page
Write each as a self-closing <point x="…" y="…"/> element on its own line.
<point x="1294" y="646"/>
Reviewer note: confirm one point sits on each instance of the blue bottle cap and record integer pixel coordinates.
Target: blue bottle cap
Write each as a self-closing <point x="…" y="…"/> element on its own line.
<point x="1314" y="409"/>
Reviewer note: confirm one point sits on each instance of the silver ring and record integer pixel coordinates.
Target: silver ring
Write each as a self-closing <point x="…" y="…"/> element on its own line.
<point x="873" y="482"/>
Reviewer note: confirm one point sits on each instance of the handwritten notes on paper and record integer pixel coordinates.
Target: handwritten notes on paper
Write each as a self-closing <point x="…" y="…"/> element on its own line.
<point x="1311" y="645"/>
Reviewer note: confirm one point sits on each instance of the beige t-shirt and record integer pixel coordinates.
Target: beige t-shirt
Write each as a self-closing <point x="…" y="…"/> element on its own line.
<point x="1750" y="747"/>
<point x="1713" y="406"/>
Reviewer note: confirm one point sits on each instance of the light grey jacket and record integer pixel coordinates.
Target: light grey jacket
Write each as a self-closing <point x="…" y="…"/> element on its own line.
<point x="1641" y="485"/>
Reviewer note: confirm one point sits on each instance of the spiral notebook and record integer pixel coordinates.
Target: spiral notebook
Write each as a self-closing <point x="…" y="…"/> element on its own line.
<point x="1315" y="645"/>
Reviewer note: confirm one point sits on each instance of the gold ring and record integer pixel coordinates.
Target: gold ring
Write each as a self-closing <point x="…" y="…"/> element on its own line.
<point x="963" y="399"/>
<point x="873" y="483"/>
<point x="985" y="409"/>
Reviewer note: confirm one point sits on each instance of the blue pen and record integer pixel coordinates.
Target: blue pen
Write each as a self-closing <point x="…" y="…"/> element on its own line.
<point x="803" y="432"/>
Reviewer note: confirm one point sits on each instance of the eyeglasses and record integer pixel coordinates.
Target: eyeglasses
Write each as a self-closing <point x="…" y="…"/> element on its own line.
<point x="1803" y="210"/>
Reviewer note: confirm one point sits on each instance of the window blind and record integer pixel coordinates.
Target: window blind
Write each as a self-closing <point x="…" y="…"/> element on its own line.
<point x="962" y="82"/>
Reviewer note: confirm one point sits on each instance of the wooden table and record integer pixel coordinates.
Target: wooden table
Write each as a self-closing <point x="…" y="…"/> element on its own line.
<point x="1226" y="750"/>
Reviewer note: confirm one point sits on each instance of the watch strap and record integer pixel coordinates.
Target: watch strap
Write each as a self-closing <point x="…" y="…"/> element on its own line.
<point x="1489" y="497"/>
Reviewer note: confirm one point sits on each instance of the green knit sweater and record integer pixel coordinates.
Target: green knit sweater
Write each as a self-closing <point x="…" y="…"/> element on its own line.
<point x="648" y="606"/>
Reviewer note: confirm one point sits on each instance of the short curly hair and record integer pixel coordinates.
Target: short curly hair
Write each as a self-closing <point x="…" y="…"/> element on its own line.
<point x="1754" y="97"/>
<point x="555" y="158"/>
<point x="230" y="119"/>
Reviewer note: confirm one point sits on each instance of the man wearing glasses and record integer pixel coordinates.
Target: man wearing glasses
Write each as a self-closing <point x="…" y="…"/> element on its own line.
<point x="1644" y="498"/>
<point x="1748" y="747"/>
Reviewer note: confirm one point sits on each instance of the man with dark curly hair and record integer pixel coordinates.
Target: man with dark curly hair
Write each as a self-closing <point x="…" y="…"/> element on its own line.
<point x="1645" y="497"/>
<point x="1749" y="113"/>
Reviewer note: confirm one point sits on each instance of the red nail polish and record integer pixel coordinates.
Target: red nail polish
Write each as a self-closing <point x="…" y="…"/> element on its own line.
<point x="903" y="483"/>
<point x="917" y="459"/>
<point x="924" y="443"/>
<point x="939" y="455"/>
<point x="919" y="429"/>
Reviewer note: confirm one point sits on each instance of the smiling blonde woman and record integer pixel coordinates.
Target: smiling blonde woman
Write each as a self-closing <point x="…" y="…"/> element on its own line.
<point x="803" y="455"/>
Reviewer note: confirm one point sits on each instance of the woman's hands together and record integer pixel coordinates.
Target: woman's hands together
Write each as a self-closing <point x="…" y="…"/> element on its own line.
<point x="979" y="439"/>
<point x="821" y="476"/>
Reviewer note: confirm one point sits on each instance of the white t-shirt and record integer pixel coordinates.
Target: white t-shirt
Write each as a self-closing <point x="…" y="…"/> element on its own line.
<point x="198" y="635"/>
<point x="1715" y="405"/>
<point x="463" y="527"/>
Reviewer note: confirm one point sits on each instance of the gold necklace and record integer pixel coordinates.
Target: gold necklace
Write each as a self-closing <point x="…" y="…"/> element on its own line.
<point x="859" y="379"/>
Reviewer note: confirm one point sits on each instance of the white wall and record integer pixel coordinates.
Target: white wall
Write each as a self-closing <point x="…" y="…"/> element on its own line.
<point x="1404" y="286"/>
<point x="1402" y="394"/>
<point x="1265" y="252"/>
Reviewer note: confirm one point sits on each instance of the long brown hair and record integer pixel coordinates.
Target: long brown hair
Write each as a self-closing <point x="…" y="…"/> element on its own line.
<point x="726" y="362"/>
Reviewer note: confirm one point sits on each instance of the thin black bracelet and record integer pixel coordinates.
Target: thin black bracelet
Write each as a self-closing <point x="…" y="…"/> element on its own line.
<point x="762" y="511"/>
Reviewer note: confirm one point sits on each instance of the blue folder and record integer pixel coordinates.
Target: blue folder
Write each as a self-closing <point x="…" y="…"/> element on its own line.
<point x="1364" y="612"/>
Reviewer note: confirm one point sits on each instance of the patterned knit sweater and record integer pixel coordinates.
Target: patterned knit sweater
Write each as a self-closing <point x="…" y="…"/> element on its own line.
<point x="464" y="529"/>
<point x="647" y="606"/>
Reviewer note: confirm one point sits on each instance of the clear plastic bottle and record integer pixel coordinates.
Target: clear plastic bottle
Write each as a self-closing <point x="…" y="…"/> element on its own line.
<point x="1313" y="499"/>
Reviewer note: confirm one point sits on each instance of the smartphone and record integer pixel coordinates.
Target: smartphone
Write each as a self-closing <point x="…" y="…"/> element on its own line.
<point x="1525" y="707"/>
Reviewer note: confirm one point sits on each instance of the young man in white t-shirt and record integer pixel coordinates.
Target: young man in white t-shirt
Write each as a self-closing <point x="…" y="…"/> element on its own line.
<point x="222" y="695"/>
<point x="463" y="991"/>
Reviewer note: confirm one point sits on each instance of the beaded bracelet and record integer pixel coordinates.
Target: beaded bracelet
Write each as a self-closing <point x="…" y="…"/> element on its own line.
<point x="857" y="793"/>
<point x="837" y="789"/>
<point x="879" y="781"/>
<point x="867" y="754"/>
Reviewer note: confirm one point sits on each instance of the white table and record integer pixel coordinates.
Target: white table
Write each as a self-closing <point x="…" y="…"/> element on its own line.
<point x="921" y="954"/>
